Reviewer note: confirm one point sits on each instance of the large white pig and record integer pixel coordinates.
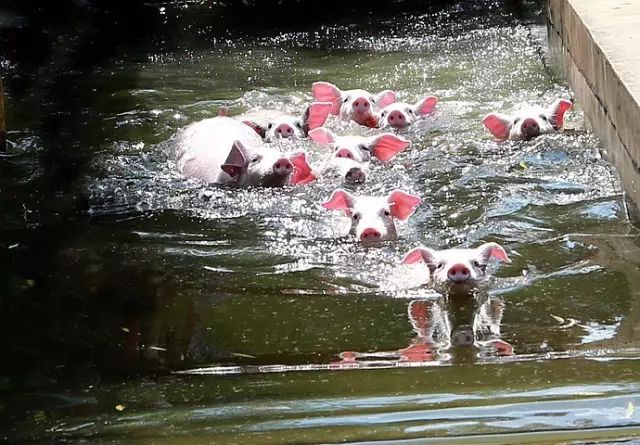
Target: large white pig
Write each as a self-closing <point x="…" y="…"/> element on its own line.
<point x="222" y="150"/>
<point x="457" y="270"/>
<point x="275" y="124"/>
<point x="401" y="115"/>
<point x="528" y="122"/>
<point x="372" y="217"/>
<point x="357" y="105"/>
<point x="361" y="148"/>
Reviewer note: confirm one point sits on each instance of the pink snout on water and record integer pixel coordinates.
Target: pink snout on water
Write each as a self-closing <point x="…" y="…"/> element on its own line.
<point x="282" y="167"/>
<point x="355" y="175"/>
<point x="344" y="153"/>
<point x="361" y="105"/>
<point x="397" y="119"/>
<point x="370" y="234"/>
<point x="459" y="273"/>
<point x="530" y="128"/>
<point x="284" y="130"/>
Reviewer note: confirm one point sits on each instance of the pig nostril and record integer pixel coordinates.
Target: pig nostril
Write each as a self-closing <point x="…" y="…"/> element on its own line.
<point x="356" y="103"/>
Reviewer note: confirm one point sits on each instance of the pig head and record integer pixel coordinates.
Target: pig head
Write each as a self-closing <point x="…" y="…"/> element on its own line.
<point x="357" y="105"/>
<point x="457" y="270"/>
<point x="372" y="217"/>
<point x="298" y="127"/>
<point x="401" y="115"/>
<point x="360" y="148"/>
<point x="528" y="122"/>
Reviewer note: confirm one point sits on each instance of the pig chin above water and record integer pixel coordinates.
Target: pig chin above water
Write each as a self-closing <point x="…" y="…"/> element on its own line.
<point x="224" y="151"/>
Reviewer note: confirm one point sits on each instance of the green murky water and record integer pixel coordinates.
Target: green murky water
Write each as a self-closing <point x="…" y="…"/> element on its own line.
<point x="167" y="311"/>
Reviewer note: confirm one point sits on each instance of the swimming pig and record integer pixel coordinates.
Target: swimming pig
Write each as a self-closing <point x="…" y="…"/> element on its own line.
<point x="401" y="114"/>
<point x="222" y="150"/>
<point x="528" y="122"/>
<point x="457" y="270"/>
<point x="274" y="124"/>
<point x="372" y="217"/>
<point x="361" y="148"/>
<point x="357" y="105"/>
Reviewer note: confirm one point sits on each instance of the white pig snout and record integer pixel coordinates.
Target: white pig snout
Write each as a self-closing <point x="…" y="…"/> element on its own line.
<point x="282" y="167"/>
<point x="459" y="273"/>
<point x="530" y="128"/>
<point x="397" y="119"/>
<point x="361" y="105"/>
<point x="355" y="175"/>
<point x="370" y="234"/>
<point x="284" y="130"/>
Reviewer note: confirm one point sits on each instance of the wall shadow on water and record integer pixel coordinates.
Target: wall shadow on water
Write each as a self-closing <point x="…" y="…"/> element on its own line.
<point x="57" y="331"/>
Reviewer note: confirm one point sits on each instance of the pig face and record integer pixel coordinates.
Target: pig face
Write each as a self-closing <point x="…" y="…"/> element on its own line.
<point x="287" y="126"/>
<point x="401" y="115"/>
<point x="346" y="169"/>
<point x="457" y="270"/>
<point x="359" y="148"/>
<point x="263" y="166"/>
<point x="357" y="105"/>
<point x="528" y="122"/>
<point x="372" y="217"/>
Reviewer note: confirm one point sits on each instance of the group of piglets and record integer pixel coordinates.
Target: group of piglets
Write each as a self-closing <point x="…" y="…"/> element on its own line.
<point x="237" y="151"/>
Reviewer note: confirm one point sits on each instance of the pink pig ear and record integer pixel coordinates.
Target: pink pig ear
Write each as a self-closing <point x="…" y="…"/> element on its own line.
<point x="498" y="124"/>
<point x="557" y="110"/>
<point x="340" y="200"/>
<point x="236" y="162"/>
<point x="322" y="135"/>
<point x="402" y="205"/>
<point x="385" y="98"/>
<point x="420" y="254"/>
<point x="316" y="114"/>
<point x="493" y="250"/>
<point x="302" y="172"/>
<point x="327" y="92"/>
<point x="387" y="145"/>
<point x="426" y="105"/>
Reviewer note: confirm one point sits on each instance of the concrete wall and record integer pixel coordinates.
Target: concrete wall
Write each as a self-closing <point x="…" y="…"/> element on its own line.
<point x="596" y="44"/>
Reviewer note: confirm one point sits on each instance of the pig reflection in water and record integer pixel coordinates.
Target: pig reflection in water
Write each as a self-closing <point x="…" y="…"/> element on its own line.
<point x="436" y="335"/>
<point x="456" y="271"/>
<point x="372" y="217"/>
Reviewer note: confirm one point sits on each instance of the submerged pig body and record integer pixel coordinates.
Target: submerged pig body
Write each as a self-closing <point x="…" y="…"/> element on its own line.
<point x="457" y="270"/>
<point x="276" y="124"/>
<point x="528" y="122"/>
<point x="357" y="105"/>
<point x="373" y="217"/>
<point x="222" y="150"/>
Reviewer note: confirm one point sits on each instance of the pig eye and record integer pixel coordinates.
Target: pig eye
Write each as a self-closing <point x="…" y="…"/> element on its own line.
<point x="346" y="99"/>
<point x="439" y="265"/>
<point x="270" y="126"/>
<point x="475" y="263"/>
<point x="543" y="117"/>
<point x="255" y="159"/>
<point x="298" y="124"/>
<point x="410" y="111"/>
<point x="384" y="113"/>
<point x="516" y="120"/>
<point x="355" y="216"/>
<point x="387" y="212"/>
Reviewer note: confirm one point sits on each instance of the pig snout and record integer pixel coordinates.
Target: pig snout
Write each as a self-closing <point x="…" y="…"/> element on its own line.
<point x="530" y="128"/>
<point x="370" y="234"/>
<point x="282" y="167"/>
<point x="458" y="273"/>
<point x="344" y="153"/>
<point x="397" y="119"/>
<point x="355" y="175"/>
<point x="284" y="131"/>
<point x="361" y="105"/>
